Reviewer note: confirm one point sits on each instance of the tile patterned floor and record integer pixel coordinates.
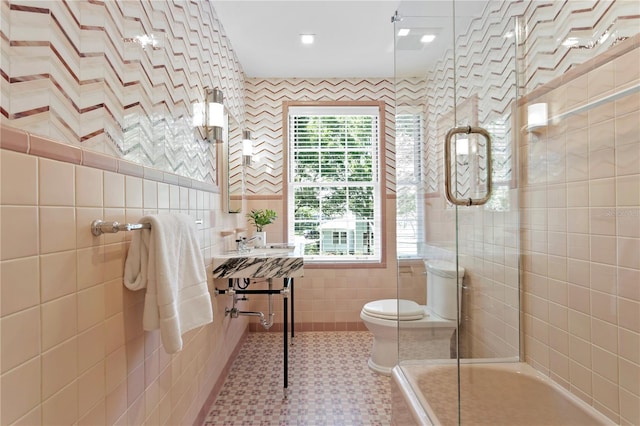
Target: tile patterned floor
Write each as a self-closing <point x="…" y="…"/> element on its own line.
<point x="329" y="383"/>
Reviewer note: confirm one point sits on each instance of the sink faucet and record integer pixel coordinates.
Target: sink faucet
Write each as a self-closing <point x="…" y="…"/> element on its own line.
<point x="242" y="244"/>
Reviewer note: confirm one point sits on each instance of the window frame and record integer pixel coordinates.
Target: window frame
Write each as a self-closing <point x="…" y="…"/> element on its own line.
<point x="382" y="176"/>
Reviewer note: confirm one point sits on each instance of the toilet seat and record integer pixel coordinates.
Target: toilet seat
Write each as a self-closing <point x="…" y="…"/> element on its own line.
<point x="388" y="309"/>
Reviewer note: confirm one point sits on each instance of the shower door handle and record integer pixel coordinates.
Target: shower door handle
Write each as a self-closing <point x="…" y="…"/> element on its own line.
<point x="447" y="166"/>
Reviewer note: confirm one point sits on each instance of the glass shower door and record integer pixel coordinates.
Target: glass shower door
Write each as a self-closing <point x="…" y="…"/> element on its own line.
<point x="461" y="87"/>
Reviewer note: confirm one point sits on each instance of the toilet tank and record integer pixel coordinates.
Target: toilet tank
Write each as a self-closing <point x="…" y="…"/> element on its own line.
<point x="442" y="288"/>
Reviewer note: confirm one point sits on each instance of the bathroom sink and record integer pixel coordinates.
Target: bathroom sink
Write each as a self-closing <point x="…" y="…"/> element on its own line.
<point x="264" y="262"/>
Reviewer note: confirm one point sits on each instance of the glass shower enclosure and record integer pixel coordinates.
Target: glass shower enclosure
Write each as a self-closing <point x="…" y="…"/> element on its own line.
<point x="518" y="160"/>
<point x="456" y="88"/>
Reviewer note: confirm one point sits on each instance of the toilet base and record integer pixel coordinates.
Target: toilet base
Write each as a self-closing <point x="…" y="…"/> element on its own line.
<point x="386" y="371"/>
<point x="415" y="344"/>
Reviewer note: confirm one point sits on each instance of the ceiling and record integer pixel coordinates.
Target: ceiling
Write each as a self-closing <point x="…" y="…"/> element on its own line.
<point x="354" y="38"/>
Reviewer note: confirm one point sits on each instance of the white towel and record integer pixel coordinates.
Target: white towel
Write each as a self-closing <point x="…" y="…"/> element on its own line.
<point x="166" y="260"/>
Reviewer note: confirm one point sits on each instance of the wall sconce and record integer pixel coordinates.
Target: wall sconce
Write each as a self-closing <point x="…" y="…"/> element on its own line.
<point x="247" y="148"/>
<point x="537" y="116"/>
<point x="214" y="115"/>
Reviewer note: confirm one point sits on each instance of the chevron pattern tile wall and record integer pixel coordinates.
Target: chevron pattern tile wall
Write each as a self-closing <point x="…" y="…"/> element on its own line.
<point x="264" y="118"/>
<point x="118" y="77"/>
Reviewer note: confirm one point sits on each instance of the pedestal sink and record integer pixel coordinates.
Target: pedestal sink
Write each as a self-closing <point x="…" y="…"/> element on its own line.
<point x="259" y="263"/>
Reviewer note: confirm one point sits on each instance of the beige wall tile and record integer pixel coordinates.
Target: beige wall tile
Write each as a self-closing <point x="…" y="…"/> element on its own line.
<point x="602" y="192"/>
<point x="33" y="417"/>
<point x="133" y="192"/>
<point x="58" y="274"/>
<point x="113" y="297"/>
<point x="628" y="191"/>
<point x="59" y="321"/>
<point x="628" y="280"/>
<point x="19" y="285"/>
<point x="18" y="178"/>
<point x="150" y="195"/>
<point x="627" y="160"/>
<point x="603" y="278"/>
<point x="628" y="250"/>
<point x="114" y="259"/>
<point x="90" y="263"/>
<point x="626" y="70"/>
<point x="62" y="408"/>
<point x="114" y="192"/>
<point x="603" y="249"/>
<point x="20" y="337"/>
<point x="96" y="416"/>
<point x="116" y="369"/>
<point x="163" y="196"/>
<point x="19" y="228"/>
<point x="629" y="374"/>
<point x="628" y="314"/>
<point x="629" y="408"/>
<point x="59" y="367"/>
<point x="601" y="135"/>
<point x="57" y="229"/>
<point x="55" y="179"/>
<point x="20" y="391"/>
<point x="91" y="347"/>
<point x="90" y="307"/>
<point x="91" y="388"/>
<point x="89" y="186"/>
<point x="116" y="402"/>
<point x="114" y="332"/>
<point x="605" y="363"/>
<point x="627" y="126"/>
<point x="629" y="345"/>
<point x="605" y="393"/>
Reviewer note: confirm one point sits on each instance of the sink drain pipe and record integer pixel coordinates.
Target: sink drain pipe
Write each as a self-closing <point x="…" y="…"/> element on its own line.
<point x="234" y="312"/>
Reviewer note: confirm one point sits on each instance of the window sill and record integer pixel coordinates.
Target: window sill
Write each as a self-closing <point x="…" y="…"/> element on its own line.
<point x="343" y="265"/>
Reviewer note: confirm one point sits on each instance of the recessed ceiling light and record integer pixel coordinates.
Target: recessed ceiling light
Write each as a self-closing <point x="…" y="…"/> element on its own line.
<point x="427" y="38"/>
<point x="403" y="32"/>
<point x="306" y="38"/>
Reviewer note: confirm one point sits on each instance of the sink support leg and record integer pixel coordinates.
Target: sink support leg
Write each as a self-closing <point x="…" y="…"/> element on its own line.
<point x="292" y="300"/>
<point x="286" y="345"/>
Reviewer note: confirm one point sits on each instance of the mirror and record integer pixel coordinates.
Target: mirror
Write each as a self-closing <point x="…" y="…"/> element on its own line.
<point x="234" y="172"/>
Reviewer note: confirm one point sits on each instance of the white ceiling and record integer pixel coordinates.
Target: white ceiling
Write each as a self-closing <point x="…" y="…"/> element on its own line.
<point x="354" y="38"/>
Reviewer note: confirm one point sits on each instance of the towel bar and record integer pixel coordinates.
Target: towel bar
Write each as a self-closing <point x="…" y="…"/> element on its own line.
<point x="99" y="227"/>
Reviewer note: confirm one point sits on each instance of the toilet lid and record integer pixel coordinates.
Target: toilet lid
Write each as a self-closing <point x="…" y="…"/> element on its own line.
<point x="388" y="309"/>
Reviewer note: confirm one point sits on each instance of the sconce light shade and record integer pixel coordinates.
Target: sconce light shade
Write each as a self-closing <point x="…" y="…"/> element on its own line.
<point x="537" y="116"/>
<point x="214" y="113"/>
<point x="198" y="114"/>
<point x="247" y="148"/>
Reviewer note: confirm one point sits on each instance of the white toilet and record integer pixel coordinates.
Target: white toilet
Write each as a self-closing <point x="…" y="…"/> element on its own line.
<point x="425" y="331"/>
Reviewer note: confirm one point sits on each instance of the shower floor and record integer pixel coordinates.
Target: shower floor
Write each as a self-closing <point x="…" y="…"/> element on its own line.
<point x="329" y="383"/>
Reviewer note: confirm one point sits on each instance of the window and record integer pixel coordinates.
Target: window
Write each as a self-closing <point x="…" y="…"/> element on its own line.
<point x="409" y="210"/>
<point x="333" y="187"/>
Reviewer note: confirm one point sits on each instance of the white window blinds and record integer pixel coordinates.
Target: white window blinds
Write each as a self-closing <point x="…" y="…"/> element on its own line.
<point x="334" y="183"/>
<point x="409" y="210"/>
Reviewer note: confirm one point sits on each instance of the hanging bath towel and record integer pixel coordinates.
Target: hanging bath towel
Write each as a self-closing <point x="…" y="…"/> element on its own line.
<point x="166" y="260"/>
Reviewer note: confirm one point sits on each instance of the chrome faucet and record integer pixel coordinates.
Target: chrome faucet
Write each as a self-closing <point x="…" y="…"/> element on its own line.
<point x="242" y="244"/>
